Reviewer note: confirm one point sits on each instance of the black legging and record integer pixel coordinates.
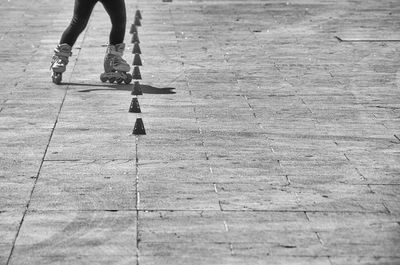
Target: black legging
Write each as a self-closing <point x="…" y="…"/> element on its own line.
<point x="82" y="11"/>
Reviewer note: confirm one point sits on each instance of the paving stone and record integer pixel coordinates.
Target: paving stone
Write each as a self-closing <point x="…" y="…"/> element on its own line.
<point x="338" y="198"/>
<point x="31" y="114"/>
<point x="78" y="259"/>
<point x="99" y="187"/>
<point x="177" y="196"/>
<point x="167" y="124"/>
<point x="357" y="234"/>
<point x="344" y="171"/>
<point x="249" y="197"/>
<point x="308" y="198"/>
<point x="364" y="260"/>
<point x="96" y="110"/>
<point x="91" y="144"/>
<point x="183" y="251"/>
<point x="14" y="196"/>
<point x="28" y="144"/>
<point x="15" y="169"/>
<point x="233" y="259"/>
<point x="225" y="171"/>
<point x="182" y="171"/>
<point x="62" y="235"/>
<point x="187" y="151"/>
<point x="260" y="234"/>
<point x="182" y="227"/>
<point x="9" y="225"/>
<point x="389" y="195"/>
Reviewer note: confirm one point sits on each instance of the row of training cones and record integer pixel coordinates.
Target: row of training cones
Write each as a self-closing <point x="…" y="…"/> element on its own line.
<point x="137" y="61"/>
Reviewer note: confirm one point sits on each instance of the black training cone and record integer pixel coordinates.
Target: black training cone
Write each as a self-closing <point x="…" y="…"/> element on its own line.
<point x="135" y="38"/>
<point x="136" y="73"/>
<point x="137" y="22"/>
<point x="133" y="29"/>
<point x="136" y="60"/>
<point x="137" y="90"/>
<point x="138" y="14"/>
<point x="136" y="48"/>
<point x="135" y="107"/>
<point x="139" y="127"/>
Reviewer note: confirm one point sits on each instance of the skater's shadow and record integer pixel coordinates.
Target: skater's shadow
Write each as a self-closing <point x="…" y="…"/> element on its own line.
<point x="146" y="89"/>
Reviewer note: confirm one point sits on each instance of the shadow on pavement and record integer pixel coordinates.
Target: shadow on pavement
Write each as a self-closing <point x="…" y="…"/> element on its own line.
<point x="146" y="89"/>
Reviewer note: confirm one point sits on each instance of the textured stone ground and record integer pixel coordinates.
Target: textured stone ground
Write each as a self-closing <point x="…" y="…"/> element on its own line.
<point x="273" y="136"/>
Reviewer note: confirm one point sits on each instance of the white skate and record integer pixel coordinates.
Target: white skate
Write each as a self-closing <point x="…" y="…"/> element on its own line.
<point x="59" y="62"/>
<point x="116" y="68"/>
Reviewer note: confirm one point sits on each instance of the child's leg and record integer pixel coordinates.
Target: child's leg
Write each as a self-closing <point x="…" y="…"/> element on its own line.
<point x="117" y="12"/>
<point x="82" y="11"/>
<point x="116" y="68"/>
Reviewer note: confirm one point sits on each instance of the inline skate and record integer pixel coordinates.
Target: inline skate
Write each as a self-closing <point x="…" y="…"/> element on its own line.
<point x="116" y="69"/>
<point x="59" y="62"/>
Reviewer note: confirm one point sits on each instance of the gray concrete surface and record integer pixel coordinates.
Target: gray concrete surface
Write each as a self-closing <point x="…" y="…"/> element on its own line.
<point x="273" y="136"/>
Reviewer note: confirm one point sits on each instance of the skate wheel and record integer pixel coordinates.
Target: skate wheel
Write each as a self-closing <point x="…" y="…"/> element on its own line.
<point x="103" y="78"/>
<point x="128" y="79"/>
<point x="56" y="77"/>
<point x="111" y="80"/>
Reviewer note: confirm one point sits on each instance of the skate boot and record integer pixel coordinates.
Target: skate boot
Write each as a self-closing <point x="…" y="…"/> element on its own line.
<point x="116" y="68"/>
<point x="60" y="61"/>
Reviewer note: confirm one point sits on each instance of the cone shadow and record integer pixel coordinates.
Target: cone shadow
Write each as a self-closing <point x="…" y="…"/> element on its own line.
<point x="106" y="86"/>
<point x="146" y="89"/>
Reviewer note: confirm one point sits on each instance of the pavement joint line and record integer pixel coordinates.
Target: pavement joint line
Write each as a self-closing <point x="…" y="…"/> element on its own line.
<point x="211" y="210"/>
<point x="83" y="210"/>
<point x="387" y="209"/>
<point x="328" y="137"/>
<point x="231" y="249"/>
<point x="44" y="155"/>
<point x="137" y="201"/>
<point x="365" y="40"/>
<point x="90" y="161"/>
<point x="307" y="217"/>
<point x="66" y="160"/>
<point x="397" y="137"/>
<point x="370" y="189"/>
<point x="215" y="188"/>
<point x="375" y="184"/>
<point x="288" y="180"/>
<point x="298" y="201"/>
<point x="250" y="106"/>
<point x="226" y="226"/>
<point x="362" y="177"/>
<point x="319" y="238"/>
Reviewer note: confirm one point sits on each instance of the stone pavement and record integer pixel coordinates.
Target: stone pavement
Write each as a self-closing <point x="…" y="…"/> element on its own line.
<point x="273" y="136"/>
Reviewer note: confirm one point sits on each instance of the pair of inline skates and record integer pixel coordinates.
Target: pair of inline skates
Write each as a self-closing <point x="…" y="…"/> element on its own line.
<point x="116" y="69"/>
